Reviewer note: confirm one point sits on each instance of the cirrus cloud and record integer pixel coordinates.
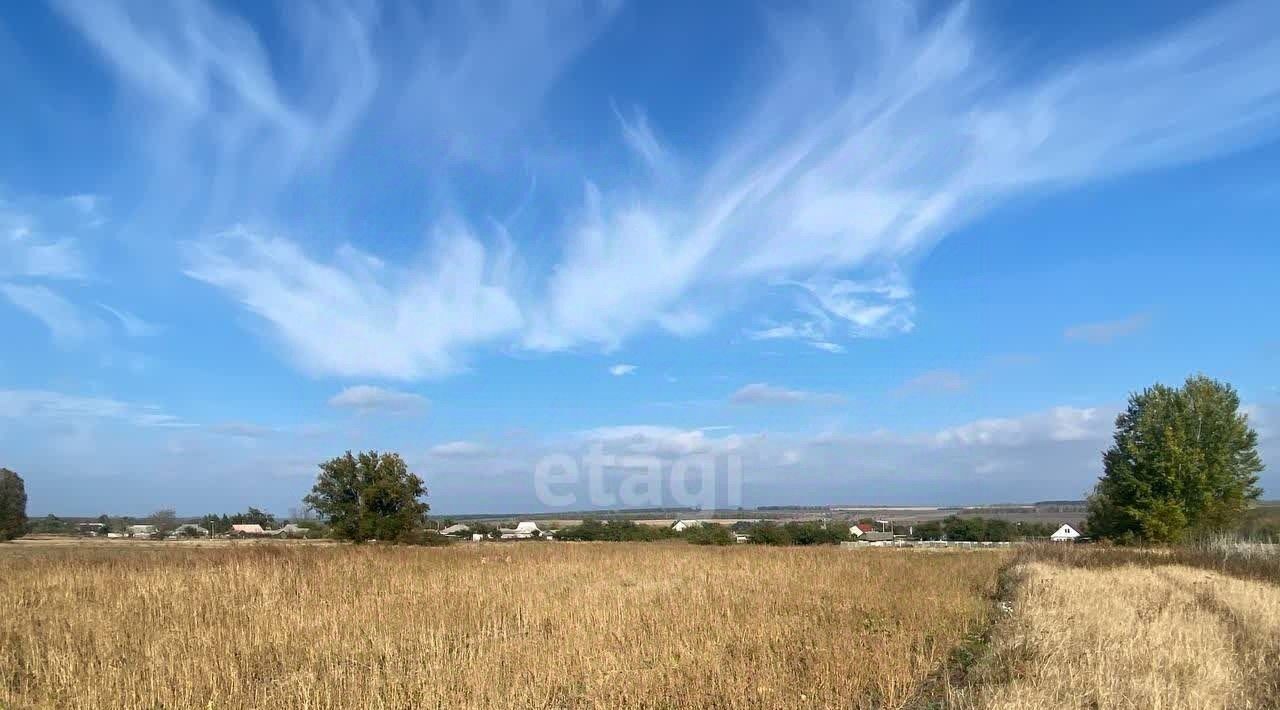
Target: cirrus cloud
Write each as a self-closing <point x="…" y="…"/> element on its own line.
<point x="368" y="398"/>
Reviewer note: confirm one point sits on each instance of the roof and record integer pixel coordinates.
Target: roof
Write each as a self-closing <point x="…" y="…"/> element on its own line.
<point x="458" y="528"/>
<point x="253" y="528"/>
<point x="527" y="526"/>
<point x="866" y="527"/>
<point x="1066" y="531"/>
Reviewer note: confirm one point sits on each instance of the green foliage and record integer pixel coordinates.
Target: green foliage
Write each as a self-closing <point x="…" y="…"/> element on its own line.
<point x="709" y="534"/>
<point x="50" y="525"/>
<point x="809" y="532"/>
<point x="1184" y="463"/>
<point x="614" y="531"/>
<point x="371" y="496"/>
<point x="978" y="529"/>
<point x="768" y="532"/>
<point x="425" y="538"/>
<point x="13" y="505"/>
<point x="817" y="533"/>
<point x="253" y="516"/>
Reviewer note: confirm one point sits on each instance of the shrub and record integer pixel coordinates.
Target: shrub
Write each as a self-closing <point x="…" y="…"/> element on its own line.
<point x="614" y="531"/>
<point x="709" y="534"/>
<point x="13" y="505"/>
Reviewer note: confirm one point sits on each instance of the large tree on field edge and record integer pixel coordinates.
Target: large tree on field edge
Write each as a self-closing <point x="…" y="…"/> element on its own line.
<point x="369" y="496"/>
<point x="1184" y="462"/>
<point x="13" y="506"/>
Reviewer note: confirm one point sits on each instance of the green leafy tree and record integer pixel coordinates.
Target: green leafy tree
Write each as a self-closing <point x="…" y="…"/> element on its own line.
<point x="253" y="516"/>
<point x="1184" y="462"/>
<point x="614" y="531"/>
<point x="709" y="534"/>
<point x="768" y="532"/>
<point x="369" y="496"/>
<point x="13" y="506"/>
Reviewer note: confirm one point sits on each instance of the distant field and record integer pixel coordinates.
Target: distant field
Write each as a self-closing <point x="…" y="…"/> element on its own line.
<point x="538" y="625"/>
<point x="906" y="515"/>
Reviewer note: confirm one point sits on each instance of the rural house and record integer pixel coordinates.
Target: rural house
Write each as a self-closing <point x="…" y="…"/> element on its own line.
<point x="456" y="529"/>
<point x="682" y="525"/>
<point x="189" y="530"/>
<point x="523" y="531"/>
<point x="142" y="532"/>
<point x="251" y="530"/>
<point x="1066" y="533"/>
<point x="91" y="529"/>
<point x="857" y="530"/>
<point x="876" y="536"/>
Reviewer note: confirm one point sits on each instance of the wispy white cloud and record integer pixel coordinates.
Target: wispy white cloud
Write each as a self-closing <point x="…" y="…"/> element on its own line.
<point x="134" y="326"/>
<point x="1104" y="332"/>
<point x="882" y="133"/>
<point x="19" y="404"/>
<point x="478" y="76"/>
<point x="242" y="430"/>
<point x="358" y="316"/>
<point x="66" y="324"/>
<point x="460" y="449"/>
<point x="90" y="208"/>
<point x="368" y="399"/>
<point x="640" y="138"/>
<point x="621" y="369"/>
<point x="761" y="393"/>
<point x="882" y="130"/>
<point x="1057" y="424"/>
<point x="27" y="251"/>
<point x="661" y="440"/>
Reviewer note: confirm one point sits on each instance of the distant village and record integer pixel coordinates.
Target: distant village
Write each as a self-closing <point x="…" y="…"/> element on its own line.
<point x="868" y="532"/>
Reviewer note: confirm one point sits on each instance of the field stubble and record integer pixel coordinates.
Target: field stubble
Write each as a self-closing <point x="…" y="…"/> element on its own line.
<point x="1133" y="629"/>
<point x="482" y="626"/>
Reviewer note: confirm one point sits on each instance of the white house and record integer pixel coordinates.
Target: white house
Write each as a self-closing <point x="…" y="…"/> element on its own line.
<point x="189" y="530"/>
<point x="1066" y="533"/>
<point x="523" y="531"/>
<point x="458" y="529"/>
<point x="141" y="531"/>
<point x="682" y="525"/>
<point x="251" y="530"/>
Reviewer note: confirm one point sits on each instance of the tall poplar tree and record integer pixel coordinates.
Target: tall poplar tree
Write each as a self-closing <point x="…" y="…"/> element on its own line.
<point x="1184" y="462"/>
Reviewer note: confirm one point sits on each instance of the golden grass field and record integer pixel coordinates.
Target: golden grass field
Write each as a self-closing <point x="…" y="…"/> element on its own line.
<point x="616" y="625"/>
<point x="1131" y="636"/>
<point x="537" y="625"/>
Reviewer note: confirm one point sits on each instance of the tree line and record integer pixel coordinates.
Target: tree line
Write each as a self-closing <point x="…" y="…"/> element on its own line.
<point x="1183" y="463"/>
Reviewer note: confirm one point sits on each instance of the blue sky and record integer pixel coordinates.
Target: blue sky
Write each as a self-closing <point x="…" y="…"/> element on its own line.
<point x="880" y="252"/>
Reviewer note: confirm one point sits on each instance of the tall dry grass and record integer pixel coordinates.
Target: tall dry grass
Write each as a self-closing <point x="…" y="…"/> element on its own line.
<point x="550" y="625"/>
<point x="1131" y="636"/>
<point x="1230" y="556"/>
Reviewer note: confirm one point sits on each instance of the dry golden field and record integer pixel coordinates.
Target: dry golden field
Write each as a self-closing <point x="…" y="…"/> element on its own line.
<point x="1133" y="636"/>
<point x="538" y="625"/>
